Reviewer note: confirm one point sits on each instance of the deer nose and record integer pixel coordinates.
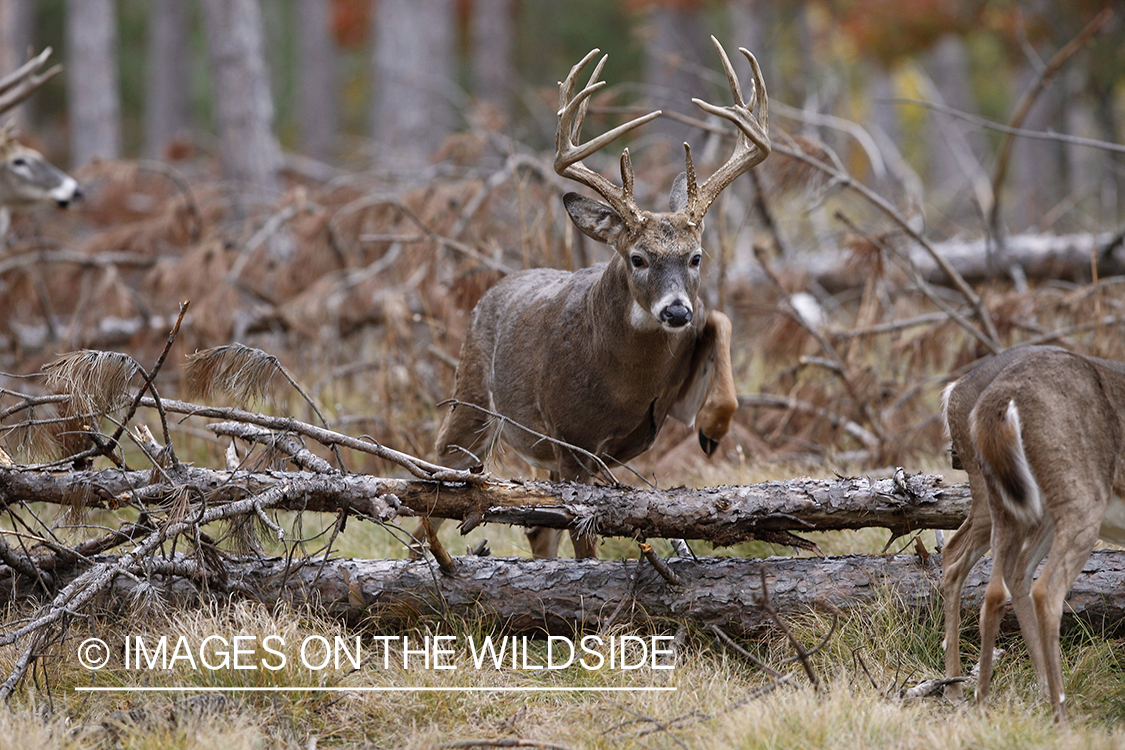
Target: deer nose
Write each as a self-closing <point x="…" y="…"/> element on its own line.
<point x="675" y="315"/>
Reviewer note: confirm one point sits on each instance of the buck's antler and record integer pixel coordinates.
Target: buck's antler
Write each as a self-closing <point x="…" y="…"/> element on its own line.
<point x="569" y="153"/>
<point x="752" y="146"/>
<point x="23" y="81"/>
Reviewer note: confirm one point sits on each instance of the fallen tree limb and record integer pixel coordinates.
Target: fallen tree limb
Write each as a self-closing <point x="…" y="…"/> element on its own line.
<point x="560" y="596"/>
<point x="721" y="515"/>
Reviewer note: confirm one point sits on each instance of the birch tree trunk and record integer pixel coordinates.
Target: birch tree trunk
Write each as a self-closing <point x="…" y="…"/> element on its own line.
<point x="168" y="78"/>
<point x="243" y="104"/>
<point x="91" y="70"/>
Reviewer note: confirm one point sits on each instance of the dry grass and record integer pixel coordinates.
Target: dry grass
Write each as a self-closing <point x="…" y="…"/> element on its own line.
<point x="854" y="709"/>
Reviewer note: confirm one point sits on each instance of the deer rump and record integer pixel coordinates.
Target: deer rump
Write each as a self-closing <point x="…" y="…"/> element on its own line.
<point x="546" y="352"/>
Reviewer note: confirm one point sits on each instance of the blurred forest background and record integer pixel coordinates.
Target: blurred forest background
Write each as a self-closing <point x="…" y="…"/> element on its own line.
<point x="337" y="182"/>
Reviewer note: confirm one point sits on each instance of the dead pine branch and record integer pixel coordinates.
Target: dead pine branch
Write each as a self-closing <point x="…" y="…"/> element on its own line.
<point x="82" y="590"/>
<point x="244" y="373"/>
<point x="285" y="443"/>
<point x="416" y="466"/>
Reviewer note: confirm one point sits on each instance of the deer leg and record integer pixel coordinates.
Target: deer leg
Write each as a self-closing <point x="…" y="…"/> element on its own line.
<point x="1019" y="577"/>
<point x="991" y="612"/>
<point x="721" y="402"/>
<point x="960" y="554"/>
<point x="544" y="542"/>
<point x="465" y="438"/>
<point x="1069" y="552"/>
<point x="1005" y="550"/>
<point x="585" y="545"/>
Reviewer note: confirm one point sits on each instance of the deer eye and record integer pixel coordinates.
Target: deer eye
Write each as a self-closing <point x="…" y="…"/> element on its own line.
<point x="638" y="261"/>
<point x="19" y="161"/>
<point x="696" y="260"/>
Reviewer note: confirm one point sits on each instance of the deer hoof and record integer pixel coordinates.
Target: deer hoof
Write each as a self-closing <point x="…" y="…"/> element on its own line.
<point x="707" y="444"/>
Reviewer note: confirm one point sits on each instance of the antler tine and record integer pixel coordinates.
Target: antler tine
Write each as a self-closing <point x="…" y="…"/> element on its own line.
<point x="569" y="153"/>
<point x="753" y="142"/>
<point x="20" y="83"/>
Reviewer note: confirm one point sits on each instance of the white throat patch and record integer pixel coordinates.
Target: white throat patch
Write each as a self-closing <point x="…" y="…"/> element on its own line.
<point x="641" y="319"/>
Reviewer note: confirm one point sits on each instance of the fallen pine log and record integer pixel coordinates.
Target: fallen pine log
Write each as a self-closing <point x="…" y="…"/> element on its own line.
<point x="563" y="596"/>
<point x="721" y="515"/>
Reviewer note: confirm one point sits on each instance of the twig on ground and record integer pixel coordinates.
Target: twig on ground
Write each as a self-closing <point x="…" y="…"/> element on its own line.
<point x="657" y="562"/>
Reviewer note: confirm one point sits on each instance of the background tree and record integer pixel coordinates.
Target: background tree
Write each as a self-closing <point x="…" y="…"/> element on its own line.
<point x="412" y="71"/>
<point x="93" y="99"/>
<point x="317" y="79"/>
<point x="167" y="74"/>
<point x="242" y="102"/>
<point x="493" y="72"/>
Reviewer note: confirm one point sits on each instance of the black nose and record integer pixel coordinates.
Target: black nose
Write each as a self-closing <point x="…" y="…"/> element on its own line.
<point x="675" y="315"/>
<point x="74" y="198"/>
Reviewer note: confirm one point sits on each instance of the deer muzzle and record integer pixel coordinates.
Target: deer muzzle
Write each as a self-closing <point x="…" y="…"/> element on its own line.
<point x="676" y="315"/>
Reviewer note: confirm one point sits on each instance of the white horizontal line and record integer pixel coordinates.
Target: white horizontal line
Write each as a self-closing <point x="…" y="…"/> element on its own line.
<point x="362" y="689"/>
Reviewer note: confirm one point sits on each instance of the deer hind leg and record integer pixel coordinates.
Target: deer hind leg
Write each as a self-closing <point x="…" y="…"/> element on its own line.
<point x="467" y="433"/>
<point x="961" y="552"/>
<point x="544" y="542"/>
<point x="1006" y="540"/>
<point x="1069" y="552"/>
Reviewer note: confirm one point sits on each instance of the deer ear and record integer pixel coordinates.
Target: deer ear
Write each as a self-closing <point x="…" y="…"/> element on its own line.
<point x="594" y="218"/>
<point x="677" y="201"/>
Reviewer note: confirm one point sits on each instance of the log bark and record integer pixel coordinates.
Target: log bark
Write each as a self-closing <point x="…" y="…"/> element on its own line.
<point x="562" y="596"/>
<point x="721" y="515"/>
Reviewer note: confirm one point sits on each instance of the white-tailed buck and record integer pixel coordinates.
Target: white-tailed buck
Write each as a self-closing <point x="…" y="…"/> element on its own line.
<point x="1041" y="433"/>
<point x="26" y="178"/>
<point x="597" y="359"/>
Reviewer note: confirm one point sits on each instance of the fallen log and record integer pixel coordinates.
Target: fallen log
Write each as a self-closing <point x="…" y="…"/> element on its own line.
<point x="720" y="515"/>
<point x="564" y="596"/>
<point x="1039" y="256"/>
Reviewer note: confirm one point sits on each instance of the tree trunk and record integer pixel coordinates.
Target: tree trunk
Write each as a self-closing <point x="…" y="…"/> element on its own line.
<point x="951" y="163"/>
<point x="676" y="48"/>
<point x="243" y="105"/>
<point x="1039" y="256"/>
<point x="317" y="79"/>
<point x="494" y="75"/>
<point x="414" y="81"/>
<point x="91" y="70"/>
<point x="564" y="596"/>
<point x="1038" y="178"/>
<point x="168" y="79"/>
